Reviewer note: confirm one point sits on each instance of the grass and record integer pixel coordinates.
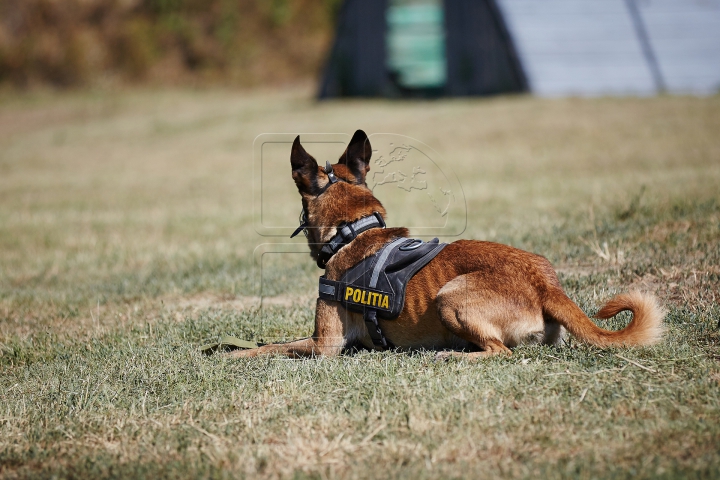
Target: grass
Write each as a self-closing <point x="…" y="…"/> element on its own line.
<point x="126" y="240"/>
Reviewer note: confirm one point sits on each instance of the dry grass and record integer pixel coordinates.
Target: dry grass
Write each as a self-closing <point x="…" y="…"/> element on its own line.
<point x="126" y="241"/>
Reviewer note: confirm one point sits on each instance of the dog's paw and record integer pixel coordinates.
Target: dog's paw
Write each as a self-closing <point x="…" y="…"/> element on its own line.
<point x="445" y="355"/>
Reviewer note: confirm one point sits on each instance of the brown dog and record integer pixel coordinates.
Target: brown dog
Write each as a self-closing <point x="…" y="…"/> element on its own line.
<point x="476" y="296"/>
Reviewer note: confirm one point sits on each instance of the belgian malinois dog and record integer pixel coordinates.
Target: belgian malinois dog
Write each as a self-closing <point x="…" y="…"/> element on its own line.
<point x="474" y="299"/>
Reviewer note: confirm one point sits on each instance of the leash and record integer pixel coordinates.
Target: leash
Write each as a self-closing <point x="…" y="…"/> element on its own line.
<point x="228" y="343"/>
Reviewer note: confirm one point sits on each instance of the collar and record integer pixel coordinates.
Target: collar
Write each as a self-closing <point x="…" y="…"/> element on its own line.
<point x="347" y="232"/>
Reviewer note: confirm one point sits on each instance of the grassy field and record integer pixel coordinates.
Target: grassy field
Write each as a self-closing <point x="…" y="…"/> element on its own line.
<point x="127" y="239"/>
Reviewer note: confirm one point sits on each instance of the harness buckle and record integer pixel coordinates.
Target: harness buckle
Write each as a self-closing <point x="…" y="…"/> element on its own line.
<point x="329" y="172"/>
<point x="411" y="245"/>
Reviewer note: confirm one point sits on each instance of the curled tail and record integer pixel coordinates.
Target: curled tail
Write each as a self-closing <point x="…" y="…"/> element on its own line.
<point x="645" y="328"/>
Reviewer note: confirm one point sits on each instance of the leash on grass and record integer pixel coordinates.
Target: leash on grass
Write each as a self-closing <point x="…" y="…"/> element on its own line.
<point x="228" y="343"/>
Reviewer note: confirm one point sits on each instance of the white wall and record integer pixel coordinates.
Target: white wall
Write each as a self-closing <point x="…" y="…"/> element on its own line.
<point x="685" y="35"/>
<point x="591" y="47"/>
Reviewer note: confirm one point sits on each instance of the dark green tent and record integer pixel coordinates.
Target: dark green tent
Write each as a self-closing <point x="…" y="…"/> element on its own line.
<point x="421" y="48"/>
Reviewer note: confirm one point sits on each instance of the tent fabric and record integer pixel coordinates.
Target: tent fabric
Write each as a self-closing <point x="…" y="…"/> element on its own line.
<point x="356" y="67"/>
<point x="415" y="44"/>
<point x="480" y="55"/>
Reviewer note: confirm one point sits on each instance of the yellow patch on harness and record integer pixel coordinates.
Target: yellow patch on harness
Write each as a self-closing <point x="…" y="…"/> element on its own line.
<point x="366" y="297"/>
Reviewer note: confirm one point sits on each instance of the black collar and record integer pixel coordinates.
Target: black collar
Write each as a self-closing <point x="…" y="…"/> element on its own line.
<point x="347" y="232"/>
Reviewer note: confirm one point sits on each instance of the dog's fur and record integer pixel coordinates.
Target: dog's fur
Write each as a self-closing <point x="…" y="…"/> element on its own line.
<point x="479" y="297"/>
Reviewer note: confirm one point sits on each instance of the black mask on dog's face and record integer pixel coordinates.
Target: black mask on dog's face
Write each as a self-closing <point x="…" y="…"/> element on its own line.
<point x="332" y="179"/>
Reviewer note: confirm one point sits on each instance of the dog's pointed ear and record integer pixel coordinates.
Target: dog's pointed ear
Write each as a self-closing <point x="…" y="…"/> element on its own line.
<point x="357" y="156"/>
<point x="304" y="169"/>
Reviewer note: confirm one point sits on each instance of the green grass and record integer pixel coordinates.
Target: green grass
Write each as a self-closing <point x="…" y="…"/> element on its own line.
<point x="126" y="241"/>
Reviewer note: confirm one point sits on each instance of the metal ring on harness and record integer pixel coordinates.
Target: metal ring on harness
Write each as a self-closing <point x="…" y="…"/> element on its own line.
<point x="412" y="245"/>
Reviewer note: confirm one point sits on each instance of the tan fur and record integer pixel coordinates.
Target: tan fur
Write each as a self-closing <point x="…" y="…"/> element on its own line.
<point x="473" y="295"/>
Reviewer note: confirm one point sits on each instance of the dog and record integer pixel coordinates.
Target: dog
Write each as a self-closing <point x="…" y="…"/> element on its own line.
<point x="473" y="299"/>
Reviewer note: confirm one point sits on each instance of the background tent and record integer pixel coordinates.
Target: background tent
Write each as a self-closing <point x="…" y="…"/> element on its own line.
<point x="426" y="48"/>
<point x="552" y="48"/>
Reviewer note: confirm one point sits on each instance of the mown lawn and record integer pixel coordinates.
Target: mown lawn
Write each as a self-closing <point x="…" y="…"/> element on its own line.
<point x="127" y="239"/>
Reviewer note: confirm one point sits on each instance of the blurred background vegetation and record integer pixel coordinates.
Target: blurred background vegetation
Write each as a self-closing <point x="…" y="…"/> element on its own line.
<point x="74" y="43"/>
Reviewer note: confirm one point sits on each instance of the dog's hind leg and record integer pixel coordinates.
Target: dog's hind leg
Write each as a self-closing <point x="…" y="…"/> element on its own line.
<point x="485" y="317"/>
<point x="554" y="333"/>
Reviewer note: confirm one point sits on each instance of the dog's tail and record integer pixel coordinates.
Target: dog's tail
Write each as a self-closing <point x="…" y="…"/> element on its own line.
<point x="645" y="328"/>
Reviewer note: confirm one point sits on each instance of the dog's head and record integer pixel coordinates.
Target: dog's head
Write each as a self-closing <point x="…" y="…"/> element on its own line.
<point x="326" y="205"/>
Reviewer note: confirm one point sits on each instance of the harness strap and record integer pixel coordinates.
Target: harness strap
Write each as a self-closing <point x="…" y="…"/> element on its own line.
<point x="370" y="314"/>
<point x="382" y="260"/>
<point x="353" y="297"/>
<point x="373" y="328"/>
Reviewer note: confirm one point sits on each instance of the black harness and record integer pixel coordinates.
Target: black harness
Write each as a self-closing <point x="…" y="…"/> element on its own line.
<point x="376" y="286"/>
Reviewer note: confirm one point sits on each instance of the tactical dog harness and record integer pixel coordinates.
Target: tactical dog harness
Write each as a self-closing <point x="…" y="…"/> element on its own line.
<point x="376" y="286"/>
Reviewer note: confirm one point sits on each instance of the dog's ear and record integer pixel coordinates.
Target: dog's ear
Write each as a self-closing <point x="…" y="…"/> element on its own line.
<point x="304" y="169"/>
<point x="357" y="156"/>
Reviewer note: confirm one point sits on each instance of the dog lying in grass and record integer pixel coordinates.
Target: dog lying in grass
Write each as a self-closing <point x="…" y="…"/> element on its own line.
<point x="472" y="299"/>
